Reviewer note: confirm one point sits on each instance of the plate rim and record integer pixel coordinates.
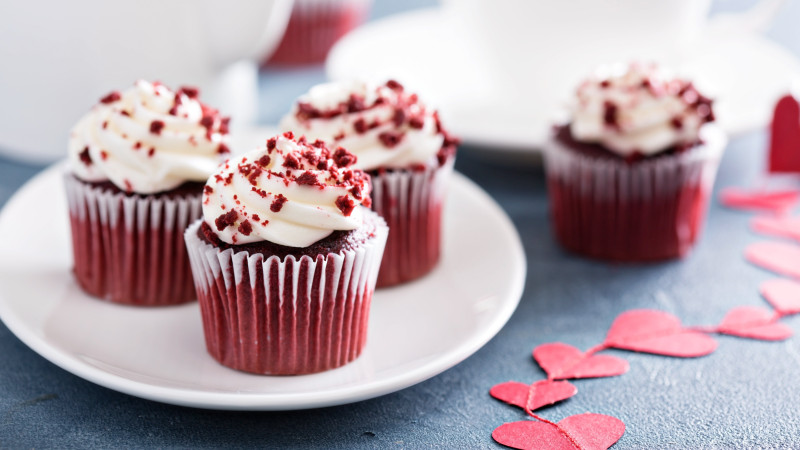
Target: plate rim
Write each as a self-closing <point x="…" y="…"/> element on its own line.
<point x="275" y="402"/>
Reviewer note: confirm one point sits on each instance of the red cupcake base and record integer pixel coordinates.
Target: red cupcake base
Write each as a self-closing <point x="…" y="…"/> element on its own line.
<point x="411" y="202"/>
<point x="285" y="316"/>
<point x="314" y="27"/>
<point x="634" y="231"/>
<point x="649" y="210"/>
<point x="130" y="249"/>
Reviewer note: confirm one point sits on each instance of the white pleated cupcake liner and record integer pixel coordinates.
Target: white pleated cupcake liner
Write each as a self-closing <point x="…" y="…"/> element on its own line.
<point x="646" y="210"/>
<point x="285" y="316"/>
<point x="129" y="249"/>
<point x="411" y="202"/>
<point x="314" y="26"/>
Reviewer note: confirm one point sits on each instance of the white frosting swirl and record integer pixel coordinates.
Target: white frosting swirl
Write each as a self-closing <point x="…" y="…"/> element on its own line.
<point x="639" y="111"/>
<point x="385" y="126"/>
<point x="290" y="193"/>
<point x="148" y="139"/>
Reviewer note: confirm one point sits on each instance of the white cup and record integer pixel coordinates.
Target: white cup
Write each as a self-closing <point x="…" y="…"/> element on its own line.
<point x="59" y="57"/>
<point x="539" y="50"/>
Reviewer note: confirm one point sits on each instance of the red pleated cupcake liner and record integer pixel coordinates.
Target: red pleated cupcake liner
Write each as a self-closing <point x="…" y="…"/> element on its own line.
<point x="411" y="202"/>
<point x="285" y="317"/>
<point x="631" y="212"/>
<point x="129" y="249"/>
<point x="314" y="26"/>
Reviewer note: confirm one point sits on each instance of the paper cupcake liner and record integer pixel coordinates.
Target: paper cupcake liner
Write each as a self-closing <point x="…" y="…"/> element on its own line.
<point x="314" y="26"/>
<point x="411" y="203"/>
<point x="631" y="212"/>
<point x="285" y="317"/>
<point x="129" y="249"/>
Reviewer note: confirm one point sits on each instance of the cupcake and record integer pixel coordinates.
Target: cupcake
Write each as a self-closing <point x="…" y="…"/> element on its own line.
<point x="134" y="180"/>
<point x="629" y="177"/>
<point x="409" y="156"/>
<point x="313" y="28"/>
<point x="285" y="258"/>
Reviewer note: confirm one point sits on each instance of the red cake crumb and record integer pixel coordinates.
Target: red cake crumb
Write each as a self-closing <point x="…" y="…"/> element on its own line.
<point x="343" y="158"/>
<point x="189" y="91"/>
<point x="226" y="220"/>
<point x="245" y="228"/>
<point x="390" y="139"/>
<point x="277" y="204"/>
<point x="156" y="126"/>
<point x="112" y="97"/>
<point x="84" y="156"/>
<point x="610" y="114"/>
<point x="345" y="204"/>
<point x="307" y="179"/>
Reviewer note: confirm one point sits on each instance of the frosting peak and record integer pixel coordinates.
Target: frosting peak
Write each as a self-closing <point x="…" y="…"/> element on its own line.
<point x="290" y="193"/>
<point x="639" y="111"/>
<point x="384" y="125"/>
<point x="148" y="139"/>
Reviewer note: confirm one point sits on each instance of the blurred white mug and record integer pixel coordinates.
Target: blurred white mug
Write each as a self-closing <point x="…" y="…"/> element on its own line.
<point x="59" y="57"/>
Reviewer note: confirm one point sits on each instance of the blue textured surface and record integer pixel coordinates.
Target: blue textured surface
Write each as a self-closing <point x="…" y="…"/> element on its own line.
<point x="745" y="395"/>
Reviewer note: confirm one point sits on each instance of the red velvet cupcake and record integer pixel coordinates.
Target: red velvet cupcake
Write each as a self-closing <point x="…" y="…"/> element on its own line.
<point x="285" y="260"/>
<point x="137" y="163"/>
<point x="409" y="156"/>
<point x="313" y="28"/>
<point x="630" y="177"/>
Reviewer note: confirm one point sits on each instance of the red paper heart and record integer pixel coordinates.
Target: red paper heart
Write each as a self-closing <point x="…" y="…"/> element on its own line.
<point x="561" y="361"/>
<point x="783" y="295"/>
<point x="780" y="257"/>
<point x="784" y="145"/>
<point x="755" y="323"/>
<point x="775" y="201"/>
<point x="650" y="331"/>
<point x="582" y="431"/>
<point x="534" y="396"/>
<point x="788" y="227"/>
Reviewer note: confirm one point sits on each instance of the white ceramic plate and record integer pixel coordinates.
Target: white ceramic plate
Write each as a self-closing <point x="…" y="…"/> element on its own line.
<point x="416" y="331"/>
<point x="743" y="71"/>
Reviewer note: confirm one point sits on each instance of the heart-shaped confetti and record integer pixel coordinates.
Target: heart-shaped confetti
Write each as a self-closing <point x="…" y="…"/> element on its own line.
<point x="775" y="201"/>
<point x="533" y="396"/>
<point x="784" y="145"/>
<point x="779" y="257"/>
<point x="754" y="322"/>
<point x="561" y="361"/>
<point x="650" y="331"/>
<point x="582" y="431"/>
<point x="783" y="295"/>
<point x="788" y="227"/>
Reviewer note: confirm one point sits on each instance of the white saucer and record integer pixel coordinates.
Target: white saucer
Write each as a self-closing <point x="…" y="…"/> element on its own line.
<point x="745" y="73"/>
<point x="416" y="331"/>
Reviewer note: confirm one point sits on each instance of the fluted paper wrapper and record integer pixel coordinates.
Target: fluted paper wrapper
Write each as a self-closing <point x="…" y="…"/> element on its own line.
<point x="313" y="28"/>
<point x="631" y="212"/>
<point x="284" y="317"/>
<point x="129" y="249"/>
<point x="411" y="202"/>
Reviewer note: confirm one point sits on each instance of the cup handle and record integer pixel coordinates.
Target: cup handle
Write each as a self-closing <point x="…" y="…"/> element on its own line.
<point x="757" y="19"/>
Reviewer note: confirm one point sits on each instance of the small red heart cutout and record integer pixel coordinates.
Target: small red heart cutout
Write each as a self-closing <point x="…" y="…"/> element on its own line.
<point x="788" y="227"/>
<point x="582" y="431"/>
<point x="779" y="257"/>
<point x="561" y="361"/>
<point x="784" y="144"/>
<point x="776" y="201"/>
<point x="533" y="396"/>
<point x="755" y="323"/>
<point x="783" y="295"/>
<point x="657" y="332"/>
